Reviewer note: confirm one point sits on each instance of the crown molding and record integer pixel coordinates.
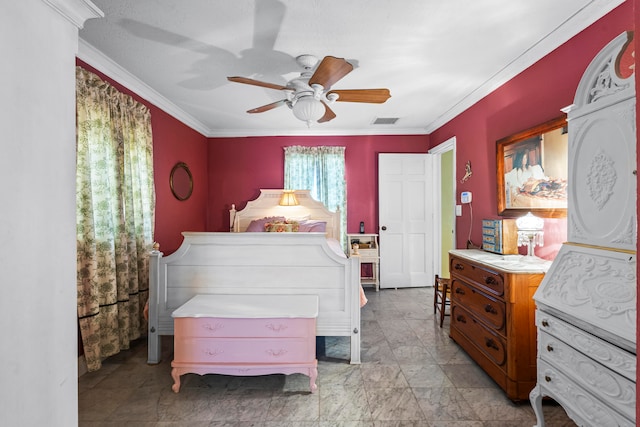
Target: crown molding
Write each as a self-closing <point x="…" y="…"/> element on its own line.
<point x="92" y="56"/>
<point x="75" y="11"/>
<point x="226" y="133"/>
<point x="586" y="16"/>
<point x="563" y="33"/>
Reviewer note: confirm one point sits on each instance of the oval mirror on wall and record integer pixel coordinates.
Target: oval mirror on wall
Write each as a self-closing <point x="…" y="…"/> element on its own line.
<point x="181" y="181"/>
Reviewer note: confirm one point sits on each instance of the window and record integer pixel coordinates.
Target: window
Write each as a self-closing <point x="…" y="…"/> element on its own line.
<point x="320" y="170"/>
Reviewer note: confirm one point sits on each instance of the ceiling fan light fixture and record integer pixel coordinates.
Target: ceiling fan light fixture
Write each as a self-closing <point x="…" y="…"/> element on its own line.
<point x="307" y="61"/>
<point x="308" y="109"/>
<point x="332" y="97"/>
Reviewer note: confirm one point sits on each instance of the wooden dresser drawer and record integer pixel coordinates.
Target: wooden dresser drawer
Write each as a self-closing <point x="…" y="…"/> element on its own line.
<point x="239" y="350"/>
<point x="487" y="341"/>
<point x="486" y="308"/>
<point x="228" y="327"/>
<point x="487" y="279"/>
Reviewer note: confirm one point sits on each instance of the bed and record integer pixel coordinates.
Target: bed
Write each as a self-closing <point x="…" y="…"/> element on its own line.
<point x="242" y="262"/>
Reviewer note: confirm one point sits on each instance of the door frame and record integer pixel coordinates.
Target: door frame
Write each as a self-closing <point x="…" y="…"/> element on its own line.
<point x="438" y="151"/>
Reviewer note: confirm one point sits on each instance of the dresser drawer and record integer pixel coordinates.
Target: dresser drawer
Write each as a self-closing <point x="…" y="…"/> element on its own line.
<point x="577" y="400"/>
<point x="488" y="309"/>
<point x="239" y="350"/>
<point x="591" y="375"/>
<point x="615" y="358"/>
<point x="229" y="327"/>
<point x="487" y="341"/>
<point x="371" y="253"/>
<point x="487" y="279"/>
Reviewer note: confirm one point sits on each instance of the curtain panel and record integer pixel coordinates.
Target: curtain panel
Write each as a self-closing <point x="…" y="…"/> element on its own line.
<point x="320" y="170"/>
<point x="115" y="204"/>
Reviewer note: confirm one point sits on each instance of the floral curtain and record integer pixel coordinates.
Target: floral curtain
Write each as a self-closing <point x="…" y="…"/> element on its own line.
<point x="115" y="203"/>
<point x="321" y="170"/>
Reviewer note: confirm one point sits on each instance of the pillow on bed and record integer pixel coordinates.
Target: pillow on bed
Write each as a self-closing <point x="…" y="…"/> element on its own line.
<point x="299" y="218"/>
<point x="258" y="224"/>
<point x="281" y="226"/>
<point x="313" y="226"/>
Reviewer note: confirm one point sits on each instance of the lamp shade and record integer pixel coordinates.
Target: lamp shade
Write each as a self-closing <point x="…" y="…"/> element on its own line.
<point x="529" y="222"/>
<point x="308" y="109"/>
<point x="288" y="198"/>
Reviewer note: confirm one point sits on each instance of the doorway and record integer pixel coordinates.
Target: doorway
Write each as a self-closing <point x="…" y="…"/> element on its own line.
<point x="406" y="207"/>
<point x="444" y="190"/>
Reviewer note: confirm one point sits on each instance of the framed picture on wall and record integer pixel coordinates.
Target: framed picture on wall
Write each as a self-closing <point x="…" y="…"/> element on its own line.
<point x="532" y="169"/>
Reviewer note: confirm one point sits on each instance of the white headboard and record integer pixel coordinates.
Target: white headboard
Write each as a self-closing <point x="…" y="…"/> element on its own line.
<point x="266" y="205"/>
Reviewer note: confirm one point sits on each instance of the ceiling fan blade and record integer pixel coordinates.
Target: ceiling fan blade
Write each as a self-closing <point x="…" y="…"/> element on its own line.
<point x="328" y="114"/>
<point x="330" y="70"/>
<point x="253" y="82"/>
<point x="267" y="107"/>
<point x="372" y="96"/>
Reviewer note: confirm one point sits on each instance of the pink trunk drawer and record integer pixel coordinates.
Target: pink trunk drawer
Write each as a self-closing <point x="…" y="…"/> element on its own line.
<point x="240" y="350"/>
<point x="223" y="327"/>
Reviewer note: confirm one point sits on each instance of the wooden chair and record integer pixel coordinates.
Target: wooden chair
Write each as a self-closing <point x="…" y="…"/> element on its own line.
<point x="441" y="297"/>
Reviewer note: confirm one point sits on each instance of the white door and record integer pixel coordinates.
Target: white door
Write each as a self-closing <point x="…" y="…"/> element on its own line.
<point x="405" y="199"/>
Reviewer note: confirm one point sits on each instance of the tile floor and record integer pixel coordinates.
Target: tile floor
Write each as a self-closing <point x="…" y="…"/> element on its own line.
<point x="412" y="374"/>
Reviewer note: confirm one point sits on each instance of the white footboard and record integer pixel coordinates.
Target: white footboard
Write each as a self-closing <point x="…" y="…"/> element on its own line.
<point x="256" y="263"/>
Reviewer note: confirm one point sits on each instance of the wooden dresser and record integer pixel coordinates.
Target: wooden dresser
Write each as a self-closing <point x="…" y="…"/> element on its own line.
<point x="246" y="335"/>
<point x="493" y="314"/>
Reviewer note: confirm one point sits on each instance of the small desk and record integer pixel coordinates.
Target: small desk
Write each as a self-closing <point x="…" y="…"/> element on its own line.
<point x="246" y="335"/>
<point x="369" y="253"/>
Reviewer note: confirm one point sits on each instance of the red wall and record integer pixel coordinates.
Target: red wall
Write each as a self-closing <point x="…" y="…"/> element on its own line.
<point x="533" y="97"/>
<point x="173" y="142"/>
<point x="240" y="167"/>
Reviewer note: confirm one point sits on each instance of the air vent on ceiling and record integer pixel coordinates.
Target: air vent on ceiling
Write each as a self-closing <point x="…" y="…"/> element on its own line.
<point x="385" y="120"/>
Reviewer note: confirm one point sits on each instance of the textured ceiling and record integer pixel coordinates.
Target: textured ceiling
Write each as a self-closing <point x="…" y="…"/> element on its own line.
<point x="436" y="57"/>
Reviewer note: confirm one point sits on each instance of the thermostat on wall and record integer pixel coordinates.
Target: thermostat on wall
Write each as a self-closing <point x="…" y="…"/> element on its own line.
<point x="465" y="197"/>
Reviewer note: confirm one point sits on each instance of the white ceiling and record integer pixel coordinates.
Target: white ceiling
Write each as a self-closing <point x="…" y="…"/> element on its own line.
<point x="437" y="57"/>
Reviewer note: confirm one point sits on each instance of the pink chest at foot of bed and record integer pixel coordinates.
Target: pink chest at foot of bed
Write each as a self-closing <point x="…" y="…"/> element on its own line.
<point x="246" y="335"/>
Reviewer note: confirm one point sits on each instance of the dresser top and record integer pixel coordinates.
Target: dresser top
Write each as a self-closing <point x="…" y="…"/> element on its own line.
<point x="249" y="306"/>
<point x="510" y="263"/>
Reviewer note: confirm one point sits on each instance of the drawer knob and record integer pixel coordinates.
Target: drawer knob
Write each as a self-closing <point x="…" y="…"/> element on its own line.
<point x="459" y="291"/>
<point x="461" y="319"/>
<point x="547" y="378"/>
<point x="549" y="348"/>
<point x="280" y="327"/>
<point x="276" y="353"/>
<point x="489" y="342"/>
<point x="490" y="280"/>
<point x="490" y="309"/>
<point x="459" y="267"/>
<point x="545" y="323"/>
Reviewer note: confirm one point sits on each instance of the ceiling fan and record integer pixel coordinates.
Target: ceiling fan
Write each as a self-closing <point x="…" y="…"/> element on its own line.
<point x="310" y="95"/>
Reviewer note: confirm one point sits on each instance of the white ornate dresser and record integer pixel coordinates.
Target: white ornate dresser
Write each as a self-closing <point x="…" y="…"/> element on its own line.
<point x="586" y="303"/>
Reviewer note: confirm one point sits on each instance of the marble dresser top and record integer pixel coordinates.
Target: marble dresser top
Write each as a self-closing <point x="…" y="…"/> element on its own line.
<point x="509" y="263"/>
